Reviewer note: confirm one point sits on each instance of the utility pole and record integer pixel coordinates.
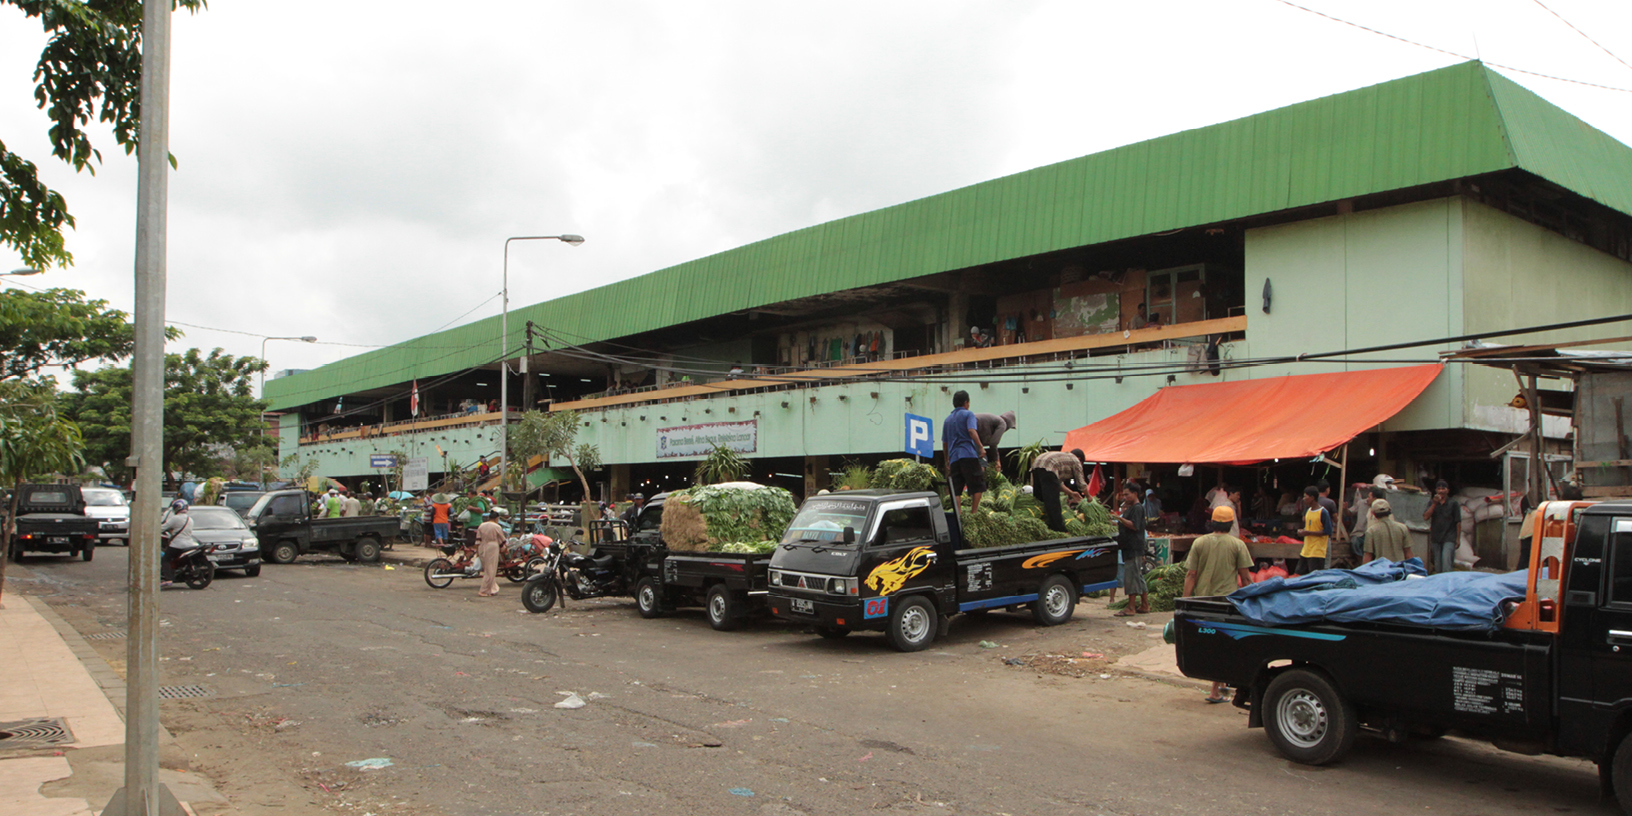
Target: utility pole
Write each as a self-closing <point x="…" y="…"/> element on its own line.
<point x="142" y="794"/>
<point x="527" y="374"/>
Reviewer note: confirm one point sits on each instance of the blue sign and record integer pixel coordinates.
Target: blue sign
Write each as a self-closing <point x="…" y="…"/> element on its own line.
<point x="382" y="460"/>
<point x="920" y="436"/>
<point x="876" y="608"/>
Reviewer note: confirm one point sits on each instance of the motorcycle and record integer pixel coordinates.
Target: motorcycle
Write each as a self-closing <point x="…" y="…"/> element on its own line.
<point x="193" y="566"/>
<point x="519" y="558"/>
<point x="568" y="574"/>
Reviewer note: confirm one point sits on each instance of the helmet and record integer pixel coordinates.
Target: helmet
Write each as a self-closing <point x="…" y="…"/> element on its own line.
<point x="179" y="506"/>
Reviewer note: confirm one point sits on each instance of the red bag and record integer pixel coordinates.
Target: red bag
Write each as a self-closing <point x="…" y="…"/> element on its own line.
<point x="1267" y="573"/>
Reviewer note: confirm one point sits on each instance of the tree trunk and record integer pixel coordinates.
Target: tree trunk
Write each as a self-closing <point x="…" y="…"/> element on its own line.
<point x="10" y="535"/>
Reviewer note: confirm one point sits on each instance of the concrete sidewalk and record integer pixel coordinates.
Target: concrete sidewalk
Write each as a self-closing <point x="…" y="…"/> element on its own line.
<point x="49" y="672"/>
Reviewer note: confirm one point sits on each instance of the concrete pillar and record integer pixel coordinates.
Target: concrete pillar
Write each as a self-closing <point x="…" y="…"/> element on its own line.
<point x="816" y="478"/>
<point x="620" y="481"/>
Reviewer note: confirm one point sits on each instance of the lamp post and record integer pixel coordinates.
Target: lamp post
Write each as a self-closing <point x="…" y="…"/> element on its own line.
<point x="504" y="346"/>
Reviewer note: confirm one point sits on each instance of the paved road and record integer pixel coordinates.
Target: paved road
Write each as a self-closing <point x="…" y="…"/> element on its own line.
<point x="321" y="663"/>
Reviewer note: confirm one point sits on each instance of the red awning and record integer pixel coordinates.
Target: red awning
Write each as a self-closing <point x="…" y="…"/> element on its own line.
<point x="1239" y="423"/>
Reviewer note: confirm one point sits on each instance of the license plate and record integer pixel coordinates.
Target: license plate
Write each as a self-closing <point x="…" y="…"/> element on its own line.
<point x="59" y="539"/>
<point x="802" y="606"/>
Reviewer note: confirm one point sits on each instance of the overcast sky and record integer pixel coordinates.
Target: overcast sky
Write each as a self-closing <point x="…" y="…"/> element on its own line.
<point x="351" y="169"/>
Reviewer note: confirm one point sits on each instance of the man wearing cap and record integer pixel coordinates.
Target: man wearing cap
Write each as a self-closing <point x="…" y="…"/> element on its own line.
<point x="333" y="505"/>
<point x="630" y="516"/>
<point x="1218" y="564"/>
<point x="979" y="339"/>
<point x="1386" y="537"/>
<point x="991" y="428"/>
<point x="1051" y="473"/>
<point x="1364" y="496"/>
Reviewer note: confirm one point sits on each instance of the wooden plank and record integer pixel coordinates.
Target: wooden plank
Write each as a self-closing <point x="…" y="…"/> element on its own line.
<point x="1610" y="491"/>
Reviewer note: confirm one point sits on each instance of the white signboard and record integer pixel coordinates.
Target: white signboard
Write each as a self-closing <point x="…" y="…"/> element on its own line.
<point x="416" y="474"/>
<point x="698" y="440"/>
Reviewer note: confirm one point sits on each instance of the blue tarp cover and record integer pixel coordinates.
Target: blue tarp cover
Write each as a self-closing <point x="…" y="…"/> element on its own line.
<point x="1380" y="592"/>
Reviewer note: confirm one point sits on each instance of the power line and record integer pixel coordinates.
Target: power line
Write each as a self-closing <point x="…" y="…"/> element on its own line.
<point x="1451" y="53"/>
<point x="1582" y="33"/>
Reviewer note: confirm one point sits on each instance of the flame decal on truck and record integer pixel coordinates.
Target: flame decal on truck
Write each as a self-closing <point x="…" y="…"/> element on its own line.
<point x="890" y="576"/>
<point x="1039" y="561"/>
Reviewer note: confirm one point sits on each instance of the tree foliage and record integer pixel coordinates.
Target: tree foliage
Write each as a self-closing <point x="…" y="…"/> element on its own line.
<point x="59" y="327"/>
<point x="209" y="412"/>
<point x="90" y="68"/>
<point x="552" y="434"/>
<point x="35" y="441"/>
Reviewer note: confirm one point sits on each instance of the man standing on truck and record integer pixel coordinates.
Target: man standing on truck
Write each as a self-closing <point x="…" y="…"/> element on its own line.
<point x="1218" y="564"/>
<point x="1444" y="519"/>
<point x="1316" y="532"/>
<point x="1130" y="534"/>
<point x="960" y="437"/>
<point x="1051" y="473"/>
<point x="1386" y="537"/>
<point x="991" y="428"/>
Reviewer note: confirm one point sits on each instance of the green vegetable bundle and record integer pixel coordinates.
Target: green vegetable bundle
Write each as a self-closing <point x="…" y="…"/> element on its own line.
<point x="714" y="517"/>
<point x="1165" y="583"/>
<point x="905" y="474"/>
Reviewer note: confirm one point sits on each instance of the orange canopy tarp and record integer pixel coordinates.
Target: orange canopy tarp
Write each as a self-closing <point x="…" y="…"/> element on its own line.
<point x="1238" y="423"/>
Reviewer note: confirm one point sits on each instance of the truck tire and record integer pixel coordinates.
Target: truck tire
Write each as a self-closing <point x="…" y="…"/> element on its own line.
<point x="284" y="552"/>
<point x="442" y="567"/>
<point x="912" y="624"/>
<point x="1307" y="719"/>
<point x="367" y="550"/>
<point x="649" y="598"/>
<point x="1620" y="774"/>
<point x="539" y="594"/>
<point x="1056" y="601"/>
<point x="87" y="552"/>
<point x="724" y="610"/>
<point x="17" y="552"/>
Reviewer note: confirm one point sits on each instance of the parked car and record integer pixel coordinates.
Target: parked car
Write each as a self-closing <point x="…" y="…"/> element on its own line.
<point x="51" y="519"/>
<point x="111" y="510"/>
<point x="239" y="501"/>
<point x="236" y="545"/>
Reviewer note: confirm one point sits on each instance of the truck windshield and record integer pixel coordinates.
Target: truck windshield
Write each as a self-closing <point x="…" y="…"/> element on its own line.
<point x="260" y="505"/>
<point x="824" y="520"/>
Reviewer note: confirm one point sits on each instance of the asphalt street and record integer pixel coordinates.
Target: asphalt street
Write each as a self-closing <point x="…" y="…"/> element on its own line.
<point x="321" y="663"/>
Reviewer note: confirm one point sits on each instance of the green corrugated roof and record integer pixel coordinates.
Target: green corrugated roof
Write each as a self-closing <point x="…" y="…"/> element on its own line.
<point x="1446" y="124"/>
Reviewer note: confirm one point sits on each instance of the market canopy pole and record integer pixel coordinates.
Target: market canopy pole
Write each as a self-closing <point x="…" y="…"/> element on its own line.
<point x="142" y="794"/>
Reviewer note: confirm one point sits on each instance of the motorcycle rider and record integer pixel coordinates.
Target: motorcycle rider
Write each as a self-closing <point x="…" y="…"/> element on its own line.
<point x="176" y="531"/>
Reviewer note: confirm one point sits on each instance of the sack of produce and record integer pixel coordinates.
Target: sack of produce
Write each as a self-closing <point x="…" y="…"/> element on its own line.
<point x="729" y="517"/>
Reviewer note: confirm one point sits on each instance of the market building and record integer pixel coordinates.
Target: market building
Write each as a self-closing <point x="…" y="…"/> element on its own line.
<point x="1449" y="204"/>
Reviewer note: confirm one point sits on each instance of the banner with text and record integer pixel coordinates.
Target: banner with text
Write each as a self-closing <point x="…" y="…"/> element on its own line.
<point x="698" y="440"/>
<point x="416" y="474"/>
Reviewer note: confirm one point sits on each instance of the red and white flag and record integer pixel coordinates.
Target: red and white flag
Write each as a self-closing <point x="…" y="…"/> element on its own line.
<point x="413" y="400"/>
<point x="1096" y="482"/>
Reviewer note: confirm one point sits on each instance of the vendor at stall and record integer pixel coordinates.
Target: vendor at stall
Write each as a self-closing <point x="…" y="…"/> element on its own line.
<point x="1316" y="532"/>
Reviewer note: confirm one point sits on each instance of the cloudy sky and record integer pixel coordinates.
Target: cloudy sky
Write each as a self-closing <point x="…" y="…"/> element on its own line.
<point x="351" y="169"/>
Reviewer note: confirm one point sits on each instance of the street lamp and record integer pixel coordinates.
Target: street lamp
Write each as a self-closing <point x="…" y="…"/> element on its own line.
<point x="504" y="346"/>
<point x="306" y="339"/>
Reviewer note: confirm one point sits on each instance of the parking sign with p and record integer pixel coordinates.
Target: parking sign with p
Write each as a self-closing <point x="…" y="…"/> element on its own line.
<point x="920" y="442"/>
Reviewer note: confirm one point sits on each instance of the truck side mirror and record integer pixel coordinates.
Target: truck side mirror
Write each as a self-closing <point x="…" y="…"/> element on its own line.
<point x="849" y="536"/>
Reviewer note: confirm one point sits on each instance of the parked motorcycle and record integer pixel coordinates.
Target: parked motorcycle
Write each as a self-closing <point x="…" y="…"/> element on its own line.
<point x="192" y="566"/>
<point x="567" y="574"/>
<point x="520" y="558"/>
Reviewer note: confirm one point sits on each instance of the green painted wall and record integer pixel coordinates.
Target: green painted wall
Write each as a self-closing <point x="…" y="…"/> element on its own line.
<point x="1519" y="274"/>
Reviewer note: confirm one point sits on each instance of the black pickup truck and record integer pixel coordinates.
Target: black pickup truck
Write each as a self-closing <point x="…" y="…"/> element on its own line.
<point x="729" y="586"/>
<point x="283" y="522"/>
<point x="51" y="519"/>
<point x="894" y="561"/>
<point x="1555" y="678"/>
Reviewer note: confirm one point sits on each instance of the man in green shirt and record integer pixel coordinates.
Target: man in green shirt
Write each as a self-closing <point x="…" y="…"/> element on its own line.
<point x="1386" y="537"/>
<point x="474" y="511"/>
<point x="1218" y="564"/>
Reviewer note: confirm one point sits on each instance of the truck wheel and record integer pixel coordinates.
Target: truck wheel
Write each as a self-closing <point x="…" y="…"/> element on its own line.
<point x="368" y="550"/>
<point x="1620" y="774"/>
<point x="912" y="625"/>
<point x="724" y="610"/>
<point x="439" y="573"/>
<point x="88" y="552"/>
<point x="539" y="594"/>
<point x="252" y="570"/>
<point x="17" y="553"/>
<point x="649" y="598"/>
<point x="1307" y="719"/>
<point x="284" y="552"/>
<point x="832" y="632"/>
<point x="1056" y="601"/>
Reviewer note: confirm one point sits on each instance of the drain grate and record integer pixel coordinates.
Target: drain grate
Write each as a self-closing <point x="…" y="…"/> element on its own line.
<point x="182" y="692"/>
<point x="106" y="636"/>
<point x="38" y="733"/>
